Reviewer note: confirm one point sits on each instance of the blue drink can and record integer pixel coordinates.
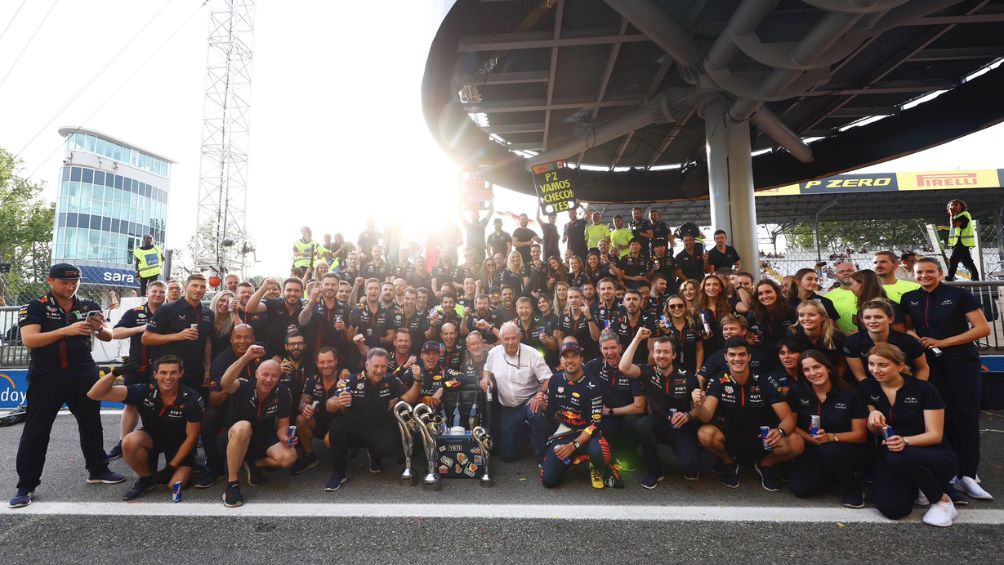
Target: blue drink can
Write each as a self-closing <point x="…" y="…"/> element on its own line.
<point x="672" y="413"/>
<point x="176" y="492"/>
<point x="887" y="432"/>
<point x="814" y="424"/>
<point x="764" y="430"/>
<point x="291" y="436"/>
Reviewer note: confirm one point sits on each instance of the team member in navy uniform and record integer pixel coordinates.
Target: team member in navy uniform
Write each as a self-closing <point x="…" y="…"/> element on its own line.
<point x="574" y="321"/>
<point x="325" y="319"/>
<point x="57" y="331"/>
<point x="282" y="312"/>
<point x="370" y="320"/>
<point x="877" y="317"/>
<point x="172" y="419"/>
<point x="257" y="320"/>
<point x="409" y="318"/>
<point x="258" y="418"/>
<point x="482" y="319"/>
<point x="916" y="456"/>
<point x="623" y="397"/>
<point x="760" y="362"/>
<point x="635" y="268"/>
<point x="677" y="325"/>
<point x="131" y="325"/>
<point x="625" y="326"/>
<point x="171" y="332"/>
<point x="668" y="401"/>
<point x="723" y="256"/>
<point x="837" y="448"/>
<point x="738" y="402"/>
<point x="572" y="417"/>
<point x="313" y="419"/>
<point x="950" y="319"/>
<point x="362" y="415"/>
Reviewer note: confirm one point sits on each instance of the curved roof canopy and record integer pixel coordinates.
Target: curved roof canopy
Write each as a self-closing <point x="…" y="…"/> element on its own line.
<point x="618" y="87"/>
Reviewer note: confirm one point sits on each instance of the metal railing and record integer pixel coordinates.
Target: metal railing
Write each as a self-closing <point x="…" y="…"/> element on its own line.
<point x="988" y="293"/>
<point x="13" y="353"/>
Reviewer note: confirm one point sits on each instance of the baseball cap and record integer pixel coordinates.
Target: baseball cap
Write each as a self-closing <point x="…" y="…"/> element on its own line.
<point x="64" y="271"/>
<point x="571" y="348"/>
<point x="430" y="346"/>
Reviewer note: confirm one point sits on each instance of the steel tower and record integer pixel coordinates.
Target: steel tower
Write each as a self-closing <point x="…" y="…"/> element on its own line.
<point x="221" y="242"/>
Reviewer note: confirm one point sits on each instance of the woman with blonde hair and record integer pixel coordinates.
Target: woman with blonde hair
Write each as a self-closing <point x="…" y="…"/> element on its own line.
<point x="223" y="324"/>
<point x="514" y="273"/>
<point x="817" y="331"/>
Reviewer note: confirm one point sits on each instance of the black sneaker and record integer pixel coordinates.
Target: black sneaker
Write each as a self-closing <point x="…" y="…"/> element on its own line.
<point x="719" y="468"/>
<point x="139" y="488"/>
<point x="308" y="461"/>
<point x="730" y="476"/>
<point x="207" y="479"/>
<point x="21" y="499"/>
<point x="376" y="465"/>
<point x="854" y="500"/>
<point x="232" y="497"/>
<point x="691" y="476"/>
<point x="335" y="482"/>
<point x="254" y="475"/>
<point x="768" y="478"/>
<point x="116" y="452"/>
<point x="957" y="497"/>
<point x="651" y="481"/>
<point x="106" y="477"/>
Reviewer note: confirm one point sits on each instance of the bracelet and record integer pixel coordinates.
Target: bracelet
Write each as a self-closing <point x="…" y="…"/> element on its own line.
<point x="782" y="432"/>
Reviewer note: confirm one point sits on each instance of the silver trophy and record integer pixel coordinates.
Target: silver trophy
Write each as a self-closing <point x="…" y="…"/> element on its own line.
<point x="405" y="422"/>
<point x="424" y="416"/>
<point x="484" y="441"/>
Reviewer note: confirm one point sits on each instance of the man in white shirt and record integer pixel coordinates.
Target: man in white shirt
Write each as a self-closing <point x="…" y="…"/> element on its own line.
<point x="518" y="376"/>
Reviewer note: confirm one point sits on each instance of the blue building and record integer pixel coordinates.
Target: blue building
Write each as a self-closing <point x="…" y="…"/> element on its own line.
<point x="111" y="193"/>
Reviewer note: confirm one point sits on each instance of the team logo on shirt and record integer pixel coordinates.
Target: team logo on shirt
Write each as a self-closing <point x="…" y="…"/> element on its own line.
<point x="840" y="406"/>
<point x="360" y="386"/>
<point x="875" y="398"/>
<point x="561" y="389"/>
<point x="911" y="400"/>
<point x="575" y="395"/>
<point x="803" y="401"/>
<point x="947" y="302"/>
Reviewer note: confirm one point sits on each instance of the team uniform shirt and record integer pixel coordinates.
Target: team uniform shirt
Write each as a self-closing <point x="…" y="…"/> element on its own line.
<point x="666" y="266"/>
<point x="348" y="275"/>
<point x="575" y="233"/>
<point x="605" y="315"/>
<point x="475" y="232"/>
<point x="577" y="405"/>
<point x="761" y="363"/>
<point x="257" y="320"/>
<point x="579" y="327"/>
<point x="858" y="345"/>
<point x="772" y="330"/>
<point x="744" y="407"/>
<point x="165" y="423"/>
<point x="672" y="390"/>
<point x="498" y="242"/>
<point x="511" y="279"/>
<point x="321" y="332"/>
<point x="439" y="316"/>
<point x="490" y="317"/>
<point x="626" y="330"/>
<point x="524" y="235"/>
<point x="222" y="362"/>
<point x="549" y="233"/>
<point x="896" y="290"/>
<point x="684" y="342"/>
<point x="634" y="266"/>
<point x="653" y="306"/>
<point x="782" y="382"/>
<point x="639" y="226"/>
<point x="433" y="380"/>
<point x="452" y="358"/>
<point x="898" y="317"/>
<point x="941" y="314"/>
<point x="263" y="413"/>
<point x="601" y="272"/>
<point x="372" y="325"/>
<point x="517" y="378"/>
<point x="578" y="279"/>
<point x="279" y="321"/>
<point x="723" y="259"/>
<point x="296" y="380"/>
<point x="401" y="271"/>
<point x="906" y="414"/>
<point x="419" y="279"/>
<point x="660" y="233"/>
<point x="831" y="310"/>
<point x="174" y="317"/>
<point x="315" y="388"/>
<point x="617" y="390"/>
<point x="416" y="324"/>
<point x="371" y="402"/>
<point x="835" y="412"/>
<point x="373" y="270"/>
<point x="692" y="265"/>
<point x="462" y="272"/>
<point x="833" y="354"/>
<point x="138" y="353"/>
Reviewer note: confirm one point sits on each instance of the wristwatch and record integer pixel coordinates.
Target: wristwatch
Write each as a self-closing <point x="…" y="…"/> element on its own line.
<point x="576" y="444"/>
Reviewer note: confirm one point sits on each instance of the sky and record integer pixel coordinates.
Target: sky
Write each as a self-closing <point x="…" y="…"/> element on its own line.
<point x="337" y="132"/>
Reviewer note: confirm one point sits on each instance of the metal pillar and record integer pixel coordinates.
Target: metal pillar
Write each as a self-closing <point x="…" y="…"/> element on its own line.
<point x="730" y="182"/>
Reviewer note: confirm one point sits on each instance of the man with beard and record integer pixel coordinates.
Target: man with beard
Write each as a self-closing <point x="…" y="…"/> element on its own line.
<point x="283" y="313"/>
<point x="606" y="309"/>
<point x="370" y="320"/>
<point x="313" y="419"/>
<point x="409" y="319"/>
<point x="482" y="319"/>
<point x="574" y="234"/>
<point x="626" y="325"/>
<point x="376" y="268"/>
<point x="257" y="320"/>
<point x="324" y="317"/>
<point x="523" y="237"/>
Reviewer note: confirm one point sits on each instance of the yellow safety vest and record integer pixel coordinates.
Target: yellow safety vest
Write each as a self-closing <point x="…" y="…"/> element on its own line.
<point x="304" y="247"/>
<point x="967" y="233"/>
<point x="148" y="261"/>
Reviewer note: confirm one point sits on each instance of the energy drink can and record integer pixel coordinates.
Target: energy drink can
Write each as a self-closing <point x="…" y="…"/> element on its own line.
<point x="936" y="351"/>
<point x="706" y="319"/>
<point x="887" y="432"/>
<point x="764" y="430"/>
<point x="672" y="413"/>
<point x="176" y="492"/>
<point x="814" y="424"/>
<point x="291" y="436"/>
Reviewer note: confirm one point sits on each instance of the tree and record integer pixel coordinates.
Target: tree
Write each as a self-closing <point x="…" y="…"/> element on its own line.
<point x="873" y="235"/>
<point x="26" y="235"/>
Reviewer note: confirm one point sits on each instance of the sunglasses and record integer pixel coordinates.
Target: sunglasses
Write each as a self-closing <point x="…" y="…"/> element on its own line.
<point x="677" y="306"/>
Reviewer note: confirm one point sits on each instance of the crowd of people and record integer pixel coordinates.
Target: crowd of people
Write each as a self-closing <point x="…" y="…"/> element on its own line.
<point x="594" y="345"/>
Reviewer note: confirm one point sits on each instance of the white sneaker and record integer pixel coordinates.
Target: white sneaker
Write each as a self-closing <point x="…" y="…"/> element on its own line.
<point x="940" y="514"/>
<point x="972" y="489"/>
<point x="921" y="500"/>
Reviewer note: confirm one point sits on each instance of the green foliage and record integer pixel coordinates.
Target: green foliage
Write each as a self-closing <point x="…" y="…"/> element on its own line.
<point x="862" y="234"/>
<point x="26" y="235"/>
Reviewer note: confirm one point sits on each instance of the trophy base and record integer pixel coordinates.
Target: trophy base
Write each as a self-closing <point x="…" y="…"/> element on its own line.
<point x="407" y="478"/>
<point x="487" y="481"/>
<point x="431" y="482"/>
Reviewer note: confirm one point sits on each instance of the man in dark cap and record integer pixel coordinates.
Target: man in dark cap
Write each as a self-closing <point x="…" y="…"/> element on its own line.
<point x="58" y="329"/>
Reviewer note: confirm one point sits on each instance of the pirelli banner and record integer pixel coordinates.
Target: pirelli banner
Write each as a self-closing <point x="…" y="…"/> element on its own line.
<point x="554" y="187"/>
<point x="893" y="182"/>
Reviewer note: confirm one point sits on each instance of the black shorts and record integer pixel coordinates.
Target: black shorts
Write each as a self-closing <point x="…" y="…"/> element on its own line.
<point x="169" y="450"/>
<point x="321" y="427"/>
<point x="257" y="447"/>
<point x="137" y="378"/>
<point x="743" y="444"/>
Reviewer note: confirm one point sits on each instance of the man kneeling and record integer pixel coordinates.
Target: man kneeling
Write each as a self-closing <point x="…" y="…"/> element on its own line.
<point x="171" y="414"/>
<point x="258" y="418"/>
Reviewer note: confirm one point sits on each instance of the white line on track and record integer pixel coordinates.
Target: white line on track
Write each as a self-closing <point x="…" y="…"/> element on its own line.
<point x="495" y="511"/>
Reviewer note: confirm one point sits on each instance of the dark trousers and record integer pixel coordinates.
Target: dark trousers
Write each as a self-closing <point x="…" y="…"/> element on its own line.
<point x="822" y="466"/>
<point x="898" y="477"/>
<point x="143" y="281"/>
<point x="46" y="395"/>
<point x="212" y="425"/>
<point x="516" y="426"/>
<point x="621" y="432"/>
<point x="958" y="380"/>
<point x="961" y="254"/>
<point x="653" y="430"/>
<point x="382" y="440"/>
<point x="554" y="469"/>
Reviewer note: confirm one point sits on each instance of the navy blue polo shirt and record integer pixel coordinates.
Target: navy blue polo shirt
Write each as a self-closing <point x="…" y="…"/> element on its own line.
<point x="258" y="322"/>
<point x="371" y="401"/>
<point x="760" y="362"/>
<point x="263" y="413"/>
<point x="832" y="353"/>
<point x="858" y="344"/>
<point x="671" y="390"/>
<point x="906" y="414"/>
<point x="835" y="412"/>
<point x="174" y="317"/>
<point x="617" y="390"/>
<point x="634" y="267"/>
<point x="416" y="324"/>
<point x="691" y="265"/>
<point x="165" y="423"/>
<point x="744" y="407"/>
<point x="321" y="330"/>
<point x="138" y="353"/>
<point x="625" y="330"/>
<point x="684" y="341"/>
<point x="941" y="313"/>
<point x="603" y="314"/>
<point x="69" y="352"/>
<point x="723" y="259"/>
<point x="319" y="392"/>
<point x="222" y="362"/>
<point x="579" y="328"/>
<point x="372" y="325"/>
<point x="279" y="321"/>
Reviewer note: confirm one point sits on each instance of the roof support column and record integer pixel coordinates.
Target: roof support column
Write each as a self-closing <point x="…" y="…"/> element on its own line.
<point x="730" y="181"/>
